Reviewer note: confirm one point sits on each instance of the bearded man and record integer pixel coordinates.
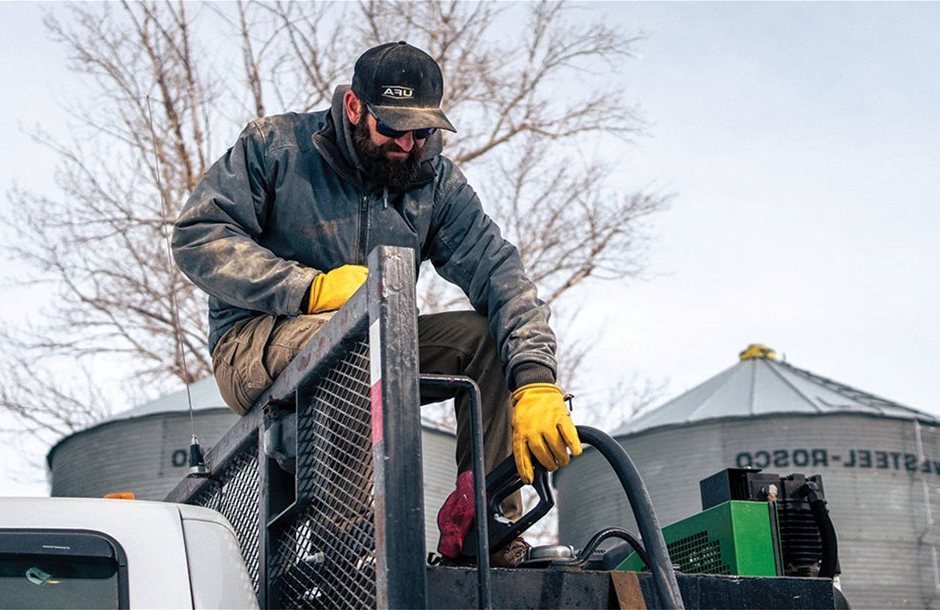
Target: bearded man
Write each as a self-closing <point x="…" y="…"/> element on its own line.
<point x="278" y="230"/>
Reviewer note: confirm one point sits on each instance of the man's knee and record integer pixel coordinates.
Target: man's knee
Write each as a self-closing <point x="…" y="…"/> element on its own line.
<point x="255" y="351"/>
<point x="240" y="380"/>
<point x="293" y="333"/>
<point x="231" y="389"/>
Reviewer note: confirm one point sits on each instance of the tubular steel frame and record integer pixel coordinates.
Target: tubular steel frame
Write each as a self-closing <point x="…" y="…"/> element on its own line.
<point x="263" y="500"/>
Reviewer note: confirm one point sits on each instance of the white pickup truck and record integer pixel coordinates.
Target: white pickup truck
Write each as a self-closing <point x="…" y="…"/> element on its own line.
<point x="91" y="553"/>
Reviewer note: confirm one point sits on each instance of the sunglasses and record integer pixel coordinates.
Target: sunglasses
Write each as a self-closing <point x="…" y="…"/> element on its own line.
<point x="388" y="132"/>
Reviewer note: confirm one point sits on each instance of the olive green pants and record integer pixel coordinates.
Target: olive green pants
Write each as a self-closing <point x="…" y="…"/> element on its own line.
<point x="255" y="351"/>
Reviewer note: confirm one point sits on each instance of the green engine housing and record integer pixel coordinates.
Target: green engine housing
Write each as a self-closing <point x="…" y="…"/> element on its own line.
<point x="736" y="538"/>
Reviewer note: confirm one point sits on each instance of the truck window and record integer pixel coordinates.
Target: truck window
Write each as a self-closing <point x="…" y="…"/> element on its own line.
<point x="57" y="569"/>
<point x="37" y="581"/>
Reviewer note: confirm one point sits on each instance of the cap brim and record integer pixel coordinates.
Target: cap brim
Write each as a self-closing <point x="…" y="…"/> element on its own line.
<point x="405" y="118"/>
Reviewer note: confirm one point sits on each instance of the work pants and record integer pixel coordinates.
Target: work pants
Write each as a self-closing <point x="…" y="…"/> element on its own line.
<point x="255" y="351"/>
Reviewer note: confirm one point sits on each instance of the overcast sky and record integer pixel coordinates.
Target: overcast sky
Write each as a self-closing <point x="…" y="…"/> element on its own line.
<point x="801" y="142"/>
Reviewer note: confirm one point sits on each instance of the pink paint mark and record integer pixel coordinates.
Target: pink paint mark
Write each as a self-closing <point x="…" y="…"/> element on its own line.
<point x="375" y="396"/>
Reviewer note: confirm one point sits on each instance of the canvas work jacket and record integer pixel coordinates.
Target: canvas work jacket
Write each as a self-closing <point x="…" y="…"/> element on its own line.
<point x="289" y="200"/>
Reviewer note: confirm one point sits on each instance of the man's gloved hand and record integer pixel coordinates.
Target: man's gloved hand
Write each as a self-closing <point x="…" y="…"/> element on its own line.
<point x="541" y="425"/>
<point x="330" y="291"/>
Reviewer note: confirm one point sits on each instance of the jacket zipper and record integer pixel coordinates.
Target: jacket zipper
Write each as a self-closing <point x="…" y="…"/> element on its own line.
<point x="363" y="228"/>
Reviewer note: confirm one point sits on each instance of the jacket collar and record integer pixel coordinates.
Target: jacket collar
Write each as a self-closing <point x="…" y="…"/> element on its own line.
<point x="335" y="143"/>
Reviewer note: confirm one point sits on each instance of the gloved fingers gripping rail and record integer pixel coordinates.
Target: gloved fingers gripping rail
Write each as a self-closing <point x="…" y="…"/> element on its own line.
<point x="542" y="428"/>
<point x="330" y="291"/>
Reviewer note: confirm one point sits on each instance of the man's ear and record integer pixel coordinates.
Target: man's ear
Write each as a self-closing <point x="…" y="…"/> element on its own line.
<point x="353" y="107"/>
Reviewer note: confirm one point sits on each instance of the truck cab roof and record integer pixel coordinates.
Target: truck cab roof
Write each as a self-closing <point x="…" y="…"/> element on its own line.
<point x="133" y="553"/>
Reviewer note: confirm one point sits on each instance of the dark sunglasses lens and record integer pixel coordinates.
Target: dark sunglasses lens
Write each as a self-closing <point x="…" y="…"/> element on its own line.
<point x="387" y="131"/>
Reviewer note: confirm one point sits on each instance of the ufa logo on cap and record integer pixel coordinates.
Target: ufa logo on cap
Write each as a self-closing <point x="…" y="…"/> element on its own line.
<point x="402" y="85"/>
<point x="397" y="92"/>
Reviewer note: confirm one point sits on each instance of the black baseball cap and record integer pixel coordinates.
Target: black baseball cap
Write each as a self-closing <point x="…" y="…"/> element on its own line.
<point x="402" y="85"/>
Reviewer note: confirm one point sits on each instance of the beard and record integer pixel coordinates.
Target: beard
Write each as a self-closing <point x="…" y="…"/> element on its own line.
<point x="396" y="174"/>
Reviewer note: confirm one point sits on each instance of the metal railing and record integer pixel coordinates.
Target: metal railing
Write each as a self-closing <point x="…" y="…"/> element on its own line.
<point x="321" y="479"/>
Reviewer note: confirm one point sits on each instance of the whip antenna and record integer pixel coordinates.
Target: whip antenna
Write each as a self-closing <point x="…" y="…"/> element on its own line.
<point x="197" y="461"/>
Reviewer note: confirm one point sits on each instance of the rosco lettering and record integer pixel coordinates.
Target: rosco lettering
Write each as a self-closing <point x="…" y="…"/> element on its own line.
<point x="868" y="459"/>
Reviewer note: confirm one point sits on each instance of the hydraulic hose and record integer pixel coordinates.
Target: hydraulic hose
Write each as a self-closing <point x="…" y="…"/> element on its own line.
<point x="664" y="575"/>
<point x="605" y="534"/>
<point x="829" y="566"/>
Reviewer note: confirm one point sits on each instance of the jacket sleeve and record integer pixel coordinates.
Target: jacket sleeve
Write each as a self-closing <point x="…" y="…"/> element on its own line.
<point x="215" y="240"/>
<point x="467" y="249"/>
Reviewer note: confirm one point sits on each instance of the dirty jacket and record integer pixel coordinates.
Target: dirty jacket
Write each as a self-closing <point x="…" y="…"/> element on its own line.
<point x="289" y="201"/>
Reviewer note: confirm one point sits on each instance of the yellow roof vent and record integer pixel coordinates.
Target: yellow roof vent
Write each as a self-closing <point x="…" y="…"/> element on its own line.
<point x="756" y="351"/>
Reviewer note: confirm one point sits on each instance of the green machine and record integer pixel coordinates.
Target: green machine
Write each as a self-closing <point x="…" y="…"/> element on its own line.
<point x="735" y="537"/>
<point x="754" y="524"/>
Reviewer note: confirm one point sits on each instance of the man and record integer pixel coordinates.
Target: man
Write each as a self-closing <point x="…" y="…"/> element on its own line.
<point x="278" y="230"/>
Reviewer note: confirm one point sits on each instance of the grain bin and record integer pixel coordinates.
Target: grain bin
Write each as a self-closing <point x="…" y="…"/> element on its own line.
<point x="145" y="450"/>
<point x="880" y="463"/>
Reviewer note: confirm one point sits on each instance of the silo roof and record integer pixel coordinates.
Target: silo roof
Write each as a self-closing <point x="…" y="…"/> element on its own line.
<point x="760" y="384"/>
<point x="205" y="395"/>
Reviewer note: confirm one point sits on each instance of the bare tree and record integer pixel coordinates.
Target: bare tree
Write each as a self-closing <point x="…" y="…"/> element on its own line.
<point x="170" y="81"/>
<point x="102" y="238"/>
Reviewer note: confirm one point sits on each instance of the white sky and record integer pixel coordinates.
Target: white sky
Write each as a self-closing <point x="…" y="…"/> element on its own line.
<point x="801" y="142"/>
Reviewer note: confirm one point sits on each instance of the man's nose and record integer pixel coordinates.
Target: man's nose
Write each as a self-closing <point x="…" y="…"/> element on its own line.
<point x="406" y="142"/>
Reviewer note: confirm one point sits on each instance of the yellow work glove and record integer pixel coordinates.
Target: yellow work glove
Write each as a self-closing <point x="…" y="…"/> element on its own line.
<point x="330" y="291"/>
<point x="541" y="427"/>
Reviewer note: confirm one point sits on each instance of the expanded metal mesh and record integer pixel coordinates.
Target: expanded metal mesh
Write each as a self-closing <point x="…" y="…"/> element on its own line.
<point x="235" y="492"/>
<point x="322" y="553"/>
<point x="325" y="558"/>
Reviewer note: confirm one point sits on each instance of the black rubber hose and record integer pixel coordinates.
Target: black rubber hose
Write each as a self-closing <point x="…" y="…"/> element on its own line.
<point x="829" y="566"/>
<point x="664" y="575"/>
<point x="612" y="532"/>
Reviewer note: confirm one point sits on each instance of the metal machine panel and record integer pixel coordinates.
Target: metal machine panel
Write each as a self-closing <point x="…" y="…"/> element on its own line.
<point x="733" y="538"/>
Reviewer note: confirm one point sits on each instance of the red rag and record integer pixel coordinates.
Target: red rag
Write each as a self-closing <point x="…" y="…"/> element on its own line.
<point x="456" y="516"/>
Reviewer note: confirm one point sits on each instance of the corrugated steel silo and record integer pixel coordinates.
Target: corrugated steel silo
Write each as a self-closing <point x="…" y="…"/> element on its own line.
<point x="880" y="463"/>
<point x="438" y="447"/>
<point x="145" y="450"/>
